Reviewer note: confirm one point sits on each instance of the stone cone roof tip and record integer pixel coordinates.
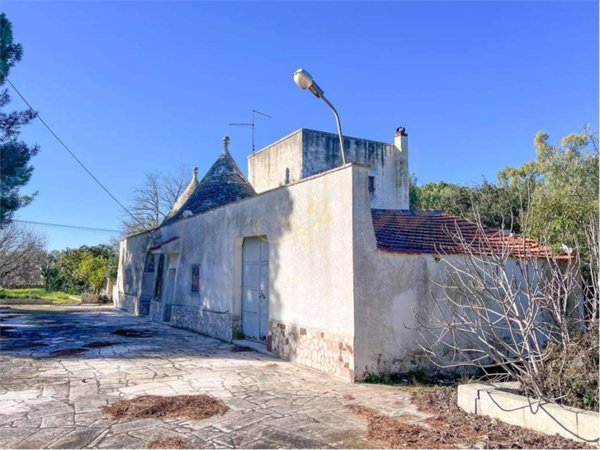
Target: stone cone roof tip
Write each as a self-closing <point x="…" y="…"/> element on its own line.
<point x="184" y="197"/>
<point x="223" y="183"/>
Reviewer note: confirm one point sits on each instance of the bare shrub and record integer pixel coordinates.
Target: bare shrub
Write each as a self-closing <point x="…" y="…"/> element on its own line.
<point x="22" y="254"/>
<point x="571" y="373"/>
<point x="509" y="304"/>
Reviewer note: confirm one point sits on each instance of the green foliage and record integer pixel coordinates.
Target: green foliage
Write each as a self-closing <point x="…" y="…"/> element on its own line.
<point x="239" y="334"/>
<point x="496" y="204"/>
<point x="373" y="378"/>
<point x="104" y="299"/>
<point x="14" y="153"/>
<point x="567" y="193"/>
<point x="36" y="293"/>
<point x="10" y="53"/>
<point x="415" y="377"/>
<point x="84" y="269"/>
<point x="94" y="269"/>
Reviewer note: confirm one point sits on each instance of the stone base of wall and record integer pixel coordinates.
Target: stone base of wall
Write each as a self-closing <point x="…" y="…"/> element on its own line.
<point x="218" y="325"/>
<point x="156" y="311"/>
<point x="328" y="352"/>
<point x="212" y="323"/>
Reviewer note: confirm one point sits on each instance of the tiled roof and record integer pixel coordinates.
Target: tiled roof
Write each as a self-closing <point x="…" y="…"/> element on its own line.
<point x="223" y="183"/>
<point x="432" y="232"/>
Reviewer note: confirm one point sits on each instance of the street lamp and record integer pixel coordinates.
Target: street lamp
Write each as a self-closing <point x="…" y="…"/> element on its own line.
<point x="304" y="80"/>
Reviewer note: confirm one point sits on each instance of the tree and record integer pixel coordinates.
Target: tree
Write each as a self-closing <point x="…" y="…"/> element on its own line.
<point x="22" y="255"/>
<point x="497" y="204"/>
<point x="153" y="200"/>
<point x="83" y="269"/>
<point x="94" y="269"/>
<point x="567" y="191"/>
<point x="15" y="155"/>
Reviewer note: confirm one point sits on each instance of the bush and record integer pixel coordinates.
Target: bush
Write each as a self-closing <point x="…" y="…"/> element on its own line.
<point x="104" y="299"/>
<point x="571" y="375"/>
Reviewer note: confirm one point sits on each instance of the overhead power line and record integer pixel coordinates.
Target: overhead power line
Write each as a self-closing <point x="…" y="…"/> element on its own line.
<point x="88" y="171"/>
<point x="61" y="225"/>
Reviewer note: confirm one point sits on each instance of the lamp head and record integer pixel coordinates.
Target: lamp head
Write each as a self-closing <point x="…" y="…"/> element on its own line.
<point x="304" y="80"/>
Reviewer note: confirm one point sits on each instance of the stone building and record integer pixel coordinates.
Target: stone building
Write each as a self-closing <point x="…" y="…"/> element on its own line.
<point x="317" y="262"/>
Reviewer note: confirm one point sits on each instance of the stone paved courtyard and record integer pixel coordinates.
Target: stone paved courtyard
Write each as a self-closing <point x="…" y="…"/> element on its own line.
<point x="61" y="365"/>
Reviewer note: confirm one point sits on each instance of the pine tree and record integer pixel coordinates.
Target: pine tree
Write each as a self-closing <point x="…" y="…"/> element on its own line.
<point x="15" y="154"/>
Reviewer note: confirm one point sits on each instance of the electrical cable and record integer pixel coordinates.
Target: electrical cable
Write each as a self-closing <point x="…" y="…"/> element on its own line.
<point x="61" y="225"/>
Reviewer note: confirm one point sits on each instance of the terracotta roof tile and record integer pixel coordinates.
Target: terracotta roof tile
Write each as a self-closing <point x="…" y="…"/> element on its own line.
<point x="432" y="232"/>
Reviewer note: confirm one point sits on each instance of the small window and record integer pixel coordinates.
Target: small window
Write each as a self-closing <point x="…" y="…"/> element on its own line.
<point x="158" y="285"/>
<point x="371" y="184"/>
<point x="195" y="279"/>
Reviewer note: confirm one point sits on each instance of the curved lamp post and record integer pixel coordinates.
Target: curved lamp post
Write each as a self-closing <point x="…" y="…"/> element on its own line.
<point x="304" y="80"/>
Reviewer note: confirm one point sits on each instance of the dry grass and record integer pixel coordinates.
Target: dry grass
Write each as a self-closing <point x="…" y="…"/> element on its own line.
<point x="180" y="406"/>
<point x="450" y="427"/>
<point x="169" y="442"/>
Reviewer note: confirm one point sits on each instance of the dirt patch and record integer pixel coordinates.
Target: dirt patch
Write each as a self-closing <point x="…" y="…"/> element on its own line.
<point x="272" y="365"/>
<point x="240" y="348"/>
<point x="180" y="406"/>
<point x="130" y="333"/>
<point x="450" y="427"/>
<point x="68" y="352"/>
<point x="99" y="344"/>
<point x="169" y="442"/>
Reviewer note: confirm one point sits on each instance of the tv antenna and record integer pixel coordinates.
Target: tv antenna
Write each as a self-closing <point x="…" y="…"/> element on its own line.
<point x="253" y="124"/>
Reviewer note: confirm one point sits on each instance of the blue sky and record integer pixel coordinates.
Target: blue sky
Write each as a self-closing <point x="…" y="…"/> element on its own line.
<point x="135" y="87"/>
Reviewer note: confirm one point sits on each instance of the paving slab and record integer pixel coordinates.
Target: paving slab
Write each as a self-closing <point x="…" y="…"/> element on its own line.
<point x="62" y="365"/>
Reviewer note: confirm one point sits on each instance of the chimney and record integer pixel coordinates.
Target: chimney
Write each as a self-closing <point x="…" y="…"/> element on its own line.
<point x="401" y="140"/>
<point x="402" y="173"/>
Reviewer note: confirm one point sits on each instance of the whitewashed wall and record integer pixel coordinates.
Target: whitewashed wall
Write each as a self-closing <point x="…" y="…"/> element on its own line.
<point x="309" y="230"/>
